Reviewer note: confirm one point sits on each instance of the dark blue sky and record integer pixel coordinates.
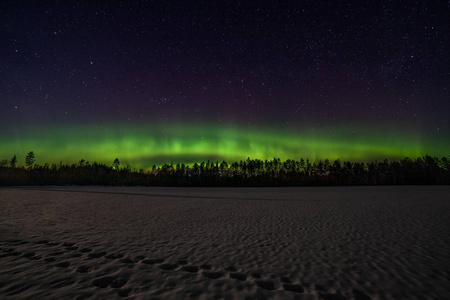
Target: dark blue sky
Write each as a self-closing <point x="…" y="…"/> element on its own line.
<point x="285" y="64"/>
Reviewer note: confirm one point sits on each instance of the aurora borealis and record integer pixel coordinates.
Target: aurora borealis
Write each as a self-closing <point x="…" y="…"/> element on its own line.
<point x="142" y="146"/>
<point x="168" y="81"/>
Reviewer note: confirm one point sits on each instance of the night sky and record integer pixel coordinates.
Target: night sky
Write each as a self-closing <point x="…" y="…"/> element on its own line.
<point x="154" y="82"/>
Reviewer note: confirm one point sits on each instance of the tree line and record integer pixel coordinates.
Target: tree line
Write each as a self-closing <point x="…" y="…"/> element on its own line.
<point x="249" y="172"/>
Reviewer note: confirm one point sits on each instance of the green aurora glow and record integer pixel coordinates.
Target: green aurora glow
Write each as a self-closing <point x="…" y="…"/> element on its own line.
<point x="142" y="146"/>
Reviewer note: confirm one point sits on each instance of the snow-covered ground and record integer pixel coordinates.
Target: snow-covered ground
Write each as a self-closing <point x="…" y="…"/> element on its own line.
<point x="207" y="243"/>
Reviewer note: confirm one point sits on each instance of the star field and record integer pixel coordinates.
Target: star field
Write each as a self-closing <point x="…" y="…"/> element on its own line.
<point x="317" y="73"/>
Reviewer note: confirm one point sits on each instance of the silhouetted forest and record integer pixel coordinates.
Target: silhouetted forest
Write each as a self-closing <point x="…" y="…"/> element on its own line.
<point x="250" y="172"/>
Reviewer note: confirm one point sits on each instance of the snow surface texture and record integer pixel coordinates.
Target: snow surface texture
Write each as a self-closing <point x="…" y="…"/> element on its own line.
<point x="209" y="243"/>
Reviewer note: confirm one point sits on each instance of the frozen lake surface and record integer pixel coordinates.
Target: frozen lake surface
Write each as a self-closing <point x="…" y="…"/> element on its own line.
<point x="178" y="243"/>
